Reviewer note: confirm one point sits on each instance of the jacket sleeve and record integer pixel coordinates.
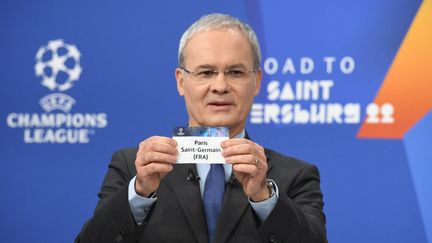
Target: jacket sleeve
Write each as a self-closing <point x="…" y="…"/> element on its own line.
<point x="112" y="220"/>
<point x="298" y="215"/>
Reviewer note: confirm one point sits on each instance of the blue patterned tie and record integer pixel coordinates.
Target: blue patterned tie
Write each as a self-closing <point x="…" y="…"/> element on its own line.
<point x="213" y="195"/>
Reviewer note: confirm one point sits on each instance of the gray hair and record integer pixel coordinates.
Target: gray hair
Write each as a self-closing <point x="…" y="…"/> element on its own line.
<point x="219" y="21"/>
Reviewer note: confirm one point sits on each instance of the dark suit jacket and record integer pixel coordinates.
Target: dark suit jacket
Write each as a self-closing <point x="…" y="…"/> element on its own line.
<point x="178" y="215"/>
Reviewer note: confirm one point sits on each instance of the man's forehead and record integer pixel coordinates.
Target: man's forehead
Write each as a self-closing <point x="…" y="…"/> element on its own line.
<point x="212" y="47"/>
<point x="211" y="39"/>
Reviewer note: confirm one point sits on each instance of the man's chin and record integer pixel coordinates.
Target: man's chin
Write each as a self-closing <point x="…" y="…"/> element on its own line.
<point x="223" y="122"/>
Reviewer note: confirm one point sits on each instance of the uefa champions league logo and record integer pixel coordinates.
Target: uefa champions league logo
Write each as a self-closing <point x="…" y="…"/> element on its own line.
<point x="58" y="68"/>
<point x="58" y="64"/>
<point x="55" y="59"/>
<point x="180" y="132"/>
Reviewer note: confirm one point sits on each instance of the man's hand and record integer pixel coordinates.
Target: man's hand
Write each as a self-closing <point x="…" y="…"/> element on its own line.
<point x="155" y="158"/>
<point x="249" y="166"/>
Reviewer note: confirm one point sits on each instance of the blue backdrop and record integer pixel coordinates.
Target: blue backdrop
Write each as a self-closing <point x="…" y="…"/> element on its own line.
<point x="119" y="59"/>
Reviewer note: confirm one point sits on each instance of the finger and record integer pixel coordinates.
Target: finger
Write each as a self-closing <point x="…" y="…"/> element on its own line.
<point x="160" y="147"/>
<point x="153" y="168"/>
<point x="235" y="141"/>
<point x="241" y="159"/>
<point x="239" y="149"/>
<point x="151" y="156"/>
<point x="240" y="176"/>
<point x="248" y="169"/>
<point x="161" y="139"/>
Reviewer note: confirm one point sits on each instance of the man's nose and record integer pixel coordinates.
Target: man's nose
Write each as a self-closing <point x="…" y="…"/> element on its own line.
<point x="220" y="83"/>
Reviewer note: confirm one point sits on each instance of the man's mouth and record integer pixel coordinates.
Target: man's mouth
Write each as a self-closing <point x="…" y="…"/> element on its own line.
<point x="220" y="105"/>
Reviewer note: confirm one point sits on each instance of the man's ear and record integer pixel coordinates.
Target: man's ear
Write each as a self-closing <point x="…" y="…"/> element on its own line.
<point x="258" y="77"/>
<point x="180" y="81"/>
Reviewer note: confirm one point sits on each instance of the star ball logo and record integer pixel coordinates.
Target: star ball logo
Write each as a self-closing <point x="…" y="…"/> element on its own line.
<point x="58" y="66"/>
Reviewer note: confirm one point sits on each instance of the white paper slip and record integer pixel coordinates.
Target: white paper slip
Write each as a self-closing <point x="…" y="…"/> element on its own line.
<point x="200" y="144"/>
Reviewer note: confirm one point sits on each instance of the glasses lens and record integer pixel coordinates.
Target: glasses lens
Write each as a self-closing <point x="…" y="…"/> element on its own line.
<point x="235" y="74"/>
<point x="206" y="74"/>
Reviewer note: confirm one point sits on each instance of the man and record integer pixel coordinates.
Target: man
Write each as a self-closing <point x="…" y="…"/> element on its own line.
<point x="258" y="196"/>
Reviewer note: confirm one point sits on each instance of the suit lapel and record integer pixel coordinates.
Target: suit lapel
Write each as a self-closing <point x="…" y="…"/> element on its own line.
<point x="188" y="194"/>
<point x="234" y="205"/>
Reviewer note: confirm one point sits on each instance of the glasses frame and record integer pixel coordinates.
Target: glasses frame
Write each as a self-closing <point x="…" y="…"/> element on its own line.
<point x="217" y="71"/>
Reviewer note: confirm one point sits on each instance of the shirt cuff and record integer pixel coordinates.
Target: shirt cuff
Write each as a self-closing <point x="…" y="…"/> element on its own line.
<point x="264" y="208"/>
<point x="140" y="206"/>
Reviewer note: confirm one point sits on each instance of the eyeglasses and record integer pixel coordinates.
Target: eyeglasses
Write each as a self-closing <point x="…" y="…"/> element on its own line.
<point x="209" y="74"/>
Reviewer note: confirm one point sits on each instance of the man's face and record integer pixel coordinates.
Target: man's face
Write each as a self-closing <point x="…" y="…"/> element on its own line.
<point x="221" y="100"/>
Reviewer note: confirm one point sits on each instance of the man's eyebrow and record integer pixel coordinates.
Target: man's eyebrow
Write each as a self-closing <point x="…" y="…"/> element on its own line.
<point x="237" y="65"/>
<point x="206" y="66"/>
<point x="232" y="66"/>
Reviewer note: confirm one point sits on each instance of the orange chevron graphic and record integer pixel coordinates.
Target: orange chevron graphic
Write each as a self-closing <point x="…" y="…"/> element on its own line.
<point x="408" y="84"/>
